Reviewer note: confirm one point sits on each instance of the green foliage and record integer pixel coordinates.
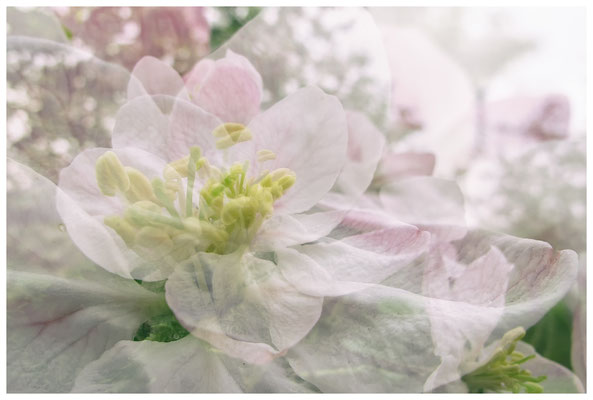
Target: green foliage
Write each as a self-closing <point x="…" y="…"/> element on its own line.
<point x="551" y="336"/>
<point x="162" y="328"/>
<point x="67" y="32"/>
<point x="232" y="19"/>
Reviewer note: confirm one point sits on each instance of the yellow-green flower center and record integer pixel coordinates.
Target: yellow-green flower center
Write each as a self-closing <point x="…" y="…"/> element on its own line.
<point x="504" y="371"/>
<point x="162" y="218"/>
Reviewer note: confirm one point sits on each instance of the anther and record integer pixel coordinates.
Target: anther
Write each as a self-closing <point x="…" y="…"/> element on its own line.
<point x="111" y="175"/>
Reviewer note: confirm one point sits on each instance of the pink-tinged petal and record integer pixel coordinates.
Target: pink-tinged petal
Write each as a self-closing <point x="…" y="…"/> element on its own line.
<point x="251" y="313"/>
<point x="315" y="126"/>
<point x="365" y="145"/>
<point x="483" y="283"/>
<point x="381" y="339"/>
<point x="363" y="258"/>
<point x="289" y="230"/>
<point x="230" y="87"/>
<point x="154" y="367"/>
<point x="400" y="165"/>
<point x="83" y="208"/>
<point x="559" y="378"/>
<point x="152" y="77"/>
<point x="539" y="278"/>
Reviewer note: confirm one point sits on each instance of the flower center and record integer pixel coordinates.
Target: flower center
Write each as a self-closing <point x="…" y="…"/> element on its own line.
<point x="171" y="217"/>
<point x="503" y="372"/>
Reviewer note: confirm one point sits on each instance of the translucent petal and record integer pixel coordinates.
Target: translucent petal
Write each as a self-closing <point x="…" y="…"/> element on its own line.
<point x="315" y="126"/>
<point x="151" y="76"/>
<point x="243" y="306"/>
<point x="63" y="311"/>
<point x="341" y="265"/>
<point x="296" y="47"/>
<point x="60" y="101"/>
<point x="188" y="365"/>
<point x="376" y="340"/>
<point x="165" y="126"/>
<point x="365" y="147"/>
<point x="229" y="88"/>
<point x="484" y="283"/>
<point x="433" y="204"/>
<point x="289" y="230"/>
<point x="475" y="272"/>
<point x="36" y="23"/>
<point x="396" y="165"/>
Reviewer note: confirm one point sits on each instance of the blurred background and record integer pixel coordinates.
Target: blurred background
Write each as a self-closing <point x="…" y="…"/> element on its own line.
<point x="491" y="97"/>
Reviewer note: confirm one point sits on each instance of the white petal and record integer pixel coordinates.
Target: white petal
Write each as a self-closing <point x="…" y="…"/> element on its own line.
<point x="57" y="325"/>
<point x="311" y="278"/>
<point x="365" y="258"/>
<point x="288" y="230"/>
<point x="188" y="365"/>
<point x="496" y="283"/>
<point x="377" y="340"/>
<point x="483" y="282"/>
<point x="63" y="311"/>
<point x="151" y="76"/>
<point x="365" y="147"/>
<point x="315" y="126"/>
<point x="165" y="126"/>
<point x="559" y="379"/>
<point x="190" y="126"/>
<point x="243" y="307"/>
<point x="433" y="204"/>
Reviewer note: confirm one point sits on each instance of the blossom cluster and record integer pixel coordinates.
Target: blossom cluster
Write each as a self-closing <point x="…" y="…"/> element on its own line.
<point x="248" y="228"/>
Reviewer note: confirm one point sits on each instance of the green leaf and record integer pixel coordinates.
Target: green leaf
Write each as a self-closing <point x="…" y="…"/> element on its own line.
<point x="551" y="336"/>
<point x="162" y="328"/>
